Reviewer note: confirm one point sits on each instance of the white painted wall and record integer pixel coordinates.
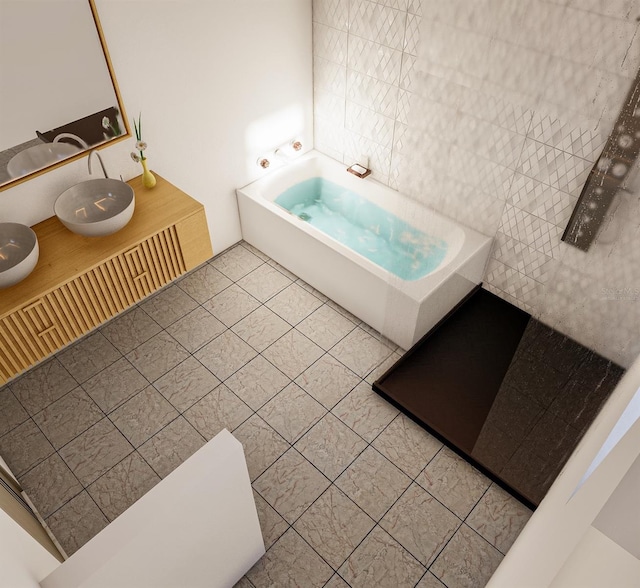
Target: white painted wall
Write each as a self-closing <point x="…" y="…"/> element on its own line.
<point x="45" y="80"/>
<point x="218" y="84"/>
<point x="23" y="561"/>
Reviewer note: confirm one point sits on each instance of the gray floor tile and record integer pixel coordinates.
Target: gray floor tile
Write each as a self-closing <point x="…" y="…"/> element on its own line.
<point x="382" y="562"/>
<point x="376" y="372"/>
<point x="167" y="449"/>
<point x="115" y="385"/>
<point x="236" y="262"/>
<point x="231" y="305"/>
<point x="360" y="352"/>
<point x="292" y="412"/>
<point x="467" y="561"/>
<point x="12" y="413"/>
<point x="225" y="355"/>
<point x="141" y="417"/>
<point x="309" y="288"/>
<point x="169" y="305"/>
<point x="220" y="409"/>
<point x="261" y="328"/>
<point x="420" y="524"/>
<point x="95" y="451"/>
<point x="24" y="447"/>
<point x="331" y="446"/>
<point x="328" y="381"/>
<point x="373" y="483"/>
<point x="499" y="518"/>
<point x="262" y="445"/>
<point x="66" y="418"/>
<point x="293" y="353"/>
<point x="88" y="357"/>
<point x="157" y="356"/>
<point x="291" y="485"/>
<point x="186" y="383"/>
<point x="130" y="329"/>
<point x="407" y="445"/>
<point x="345" y="313"/>
<point x="326" y="327"/>
<point x="430" y="581"/>
<point x="365" y="412"/>
<point x="122" y="485"/>
<point x="334" y="526"/>
<point x="259" y="254"/>
<point x="282" y="270"/>
<point x="50" y="484"/>
<point x="195" y="329"/>
<point x="76" y="522"/>
<point x="42" y="385"/>
<point x="264" y="282"/>
<point x="243" y="582"/>
<point x="204" y="283"/>
<point x="454" y="482"/>
<point x="271" y="523"/>
<point x="293" y="304"/>
<point x="257" y="382"/>
<point x="290" y="563"/>
<point x="336" y="582"/>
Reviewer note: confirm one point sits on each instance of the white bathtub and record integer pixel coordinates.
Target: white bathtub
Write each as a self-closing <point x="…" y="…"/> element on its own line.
<point x="401" y="310"/>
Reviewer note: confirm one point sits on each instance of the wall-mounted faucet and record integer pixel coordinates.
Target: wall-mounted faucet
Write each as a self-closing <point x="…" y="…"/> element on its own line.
<point x="94" y="152"/>
<point x="283" y="154"/>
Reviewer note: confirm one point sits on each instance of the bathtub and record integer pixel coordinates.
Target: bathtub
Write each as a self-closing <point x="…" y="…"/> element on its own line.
<point x="402" y="310"/>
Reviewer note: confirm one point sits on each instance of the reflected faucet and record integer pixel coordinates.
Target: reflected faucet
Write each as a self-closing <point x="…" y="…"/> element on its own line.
<point x="94" y="152"/>
<point x="73" y="137"/>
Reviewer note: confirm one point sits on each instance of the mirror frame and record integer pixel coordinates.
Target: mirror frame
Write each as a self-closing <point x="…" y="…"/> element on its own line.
<point x="125" y="135"/>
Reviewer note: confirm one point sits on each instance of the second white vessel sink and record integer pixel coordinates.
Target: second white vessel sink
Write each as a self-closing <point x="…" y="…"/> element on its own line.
<point x="96" y="207"/>
<point x="19" y="253"/>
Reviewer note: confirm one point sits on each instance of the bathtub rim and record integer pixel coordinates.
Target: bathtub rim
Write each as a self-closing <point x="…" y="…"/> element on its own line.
<point x="262" y="191"/>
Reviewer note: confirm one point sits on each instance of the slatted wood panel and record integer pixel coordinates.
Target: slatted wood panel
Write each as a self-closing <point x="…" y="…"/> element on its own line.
<point x="65" y="314"/>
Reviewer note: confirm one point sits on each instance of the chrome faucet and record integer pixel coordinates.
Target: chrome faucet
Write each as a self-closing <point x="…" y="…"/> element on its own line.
<point x="92" y="152"/>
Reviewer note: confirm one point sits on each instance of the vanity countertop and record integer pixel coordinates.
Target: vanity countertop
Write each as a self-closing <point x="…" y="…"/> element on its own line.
<point x="65" y="255"/>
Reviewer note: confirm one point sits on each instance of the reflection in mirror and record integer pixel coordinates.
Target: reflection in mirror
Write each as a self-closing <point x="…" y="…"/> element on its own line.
<point x="57" y="93"/>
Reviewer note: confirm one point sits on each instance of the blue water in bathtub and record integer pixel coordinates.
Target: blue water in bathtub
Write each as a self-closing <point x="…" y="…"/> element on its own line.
<point x="364" y="227"/>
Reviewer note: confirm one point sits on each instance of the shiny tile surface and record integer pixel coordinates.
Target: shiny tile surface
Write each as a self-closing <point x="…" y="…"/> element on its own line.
<point x="334" y="526"/>
<point x="341" y="480"/>
<point x="467" y="560"/>
<point x="122" y="485"/>
<point x="373" y="483"/>
<point x="382" y="562"/>
<point x="291" y="485"/>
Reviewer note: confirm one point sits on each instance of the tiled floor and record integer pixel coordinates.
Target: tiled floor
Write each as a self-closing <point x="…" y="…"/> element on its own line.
<point x="349" y="491"/>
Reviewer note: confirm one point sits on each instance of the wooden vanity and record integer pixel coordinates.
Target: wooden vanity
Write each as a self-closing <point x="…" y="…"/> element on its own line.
<point x="81" y="282"/>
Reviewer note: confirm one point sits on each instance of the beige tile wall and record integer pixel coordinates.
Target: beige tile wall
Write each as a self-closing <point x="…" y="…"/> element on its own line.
<point x="493" y="112"/>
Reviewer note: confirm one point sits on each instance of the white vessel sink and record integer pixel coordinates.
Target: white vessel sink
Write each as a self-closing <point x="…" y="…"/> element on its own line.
<point x="96" y="207"/>
<point x="18" y="253"/>
<point x="39" y="156"/>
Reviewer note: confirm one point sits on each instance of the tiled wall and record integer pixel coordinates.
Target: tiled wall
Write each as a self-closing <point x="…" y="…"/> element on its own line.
<point x="495" y="117"/>
<point x="363" y="56"/>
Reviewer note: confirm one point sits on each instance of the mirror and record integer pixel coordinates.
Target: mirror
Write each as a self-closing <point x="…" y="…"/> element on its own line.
<point x="58" y="94"/>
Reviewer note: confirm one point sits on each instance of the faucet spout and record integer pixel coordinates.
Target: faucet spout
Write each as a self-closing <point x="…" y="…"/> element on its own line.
<point x="94" y="152"/>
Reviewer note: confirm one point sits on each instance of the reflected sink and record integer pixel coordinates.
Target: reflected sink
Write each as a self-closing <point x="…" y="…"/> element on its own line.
<point x="39" y="156"/>
<point x="18" y="253"/>
<point x="96" y="207"/>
